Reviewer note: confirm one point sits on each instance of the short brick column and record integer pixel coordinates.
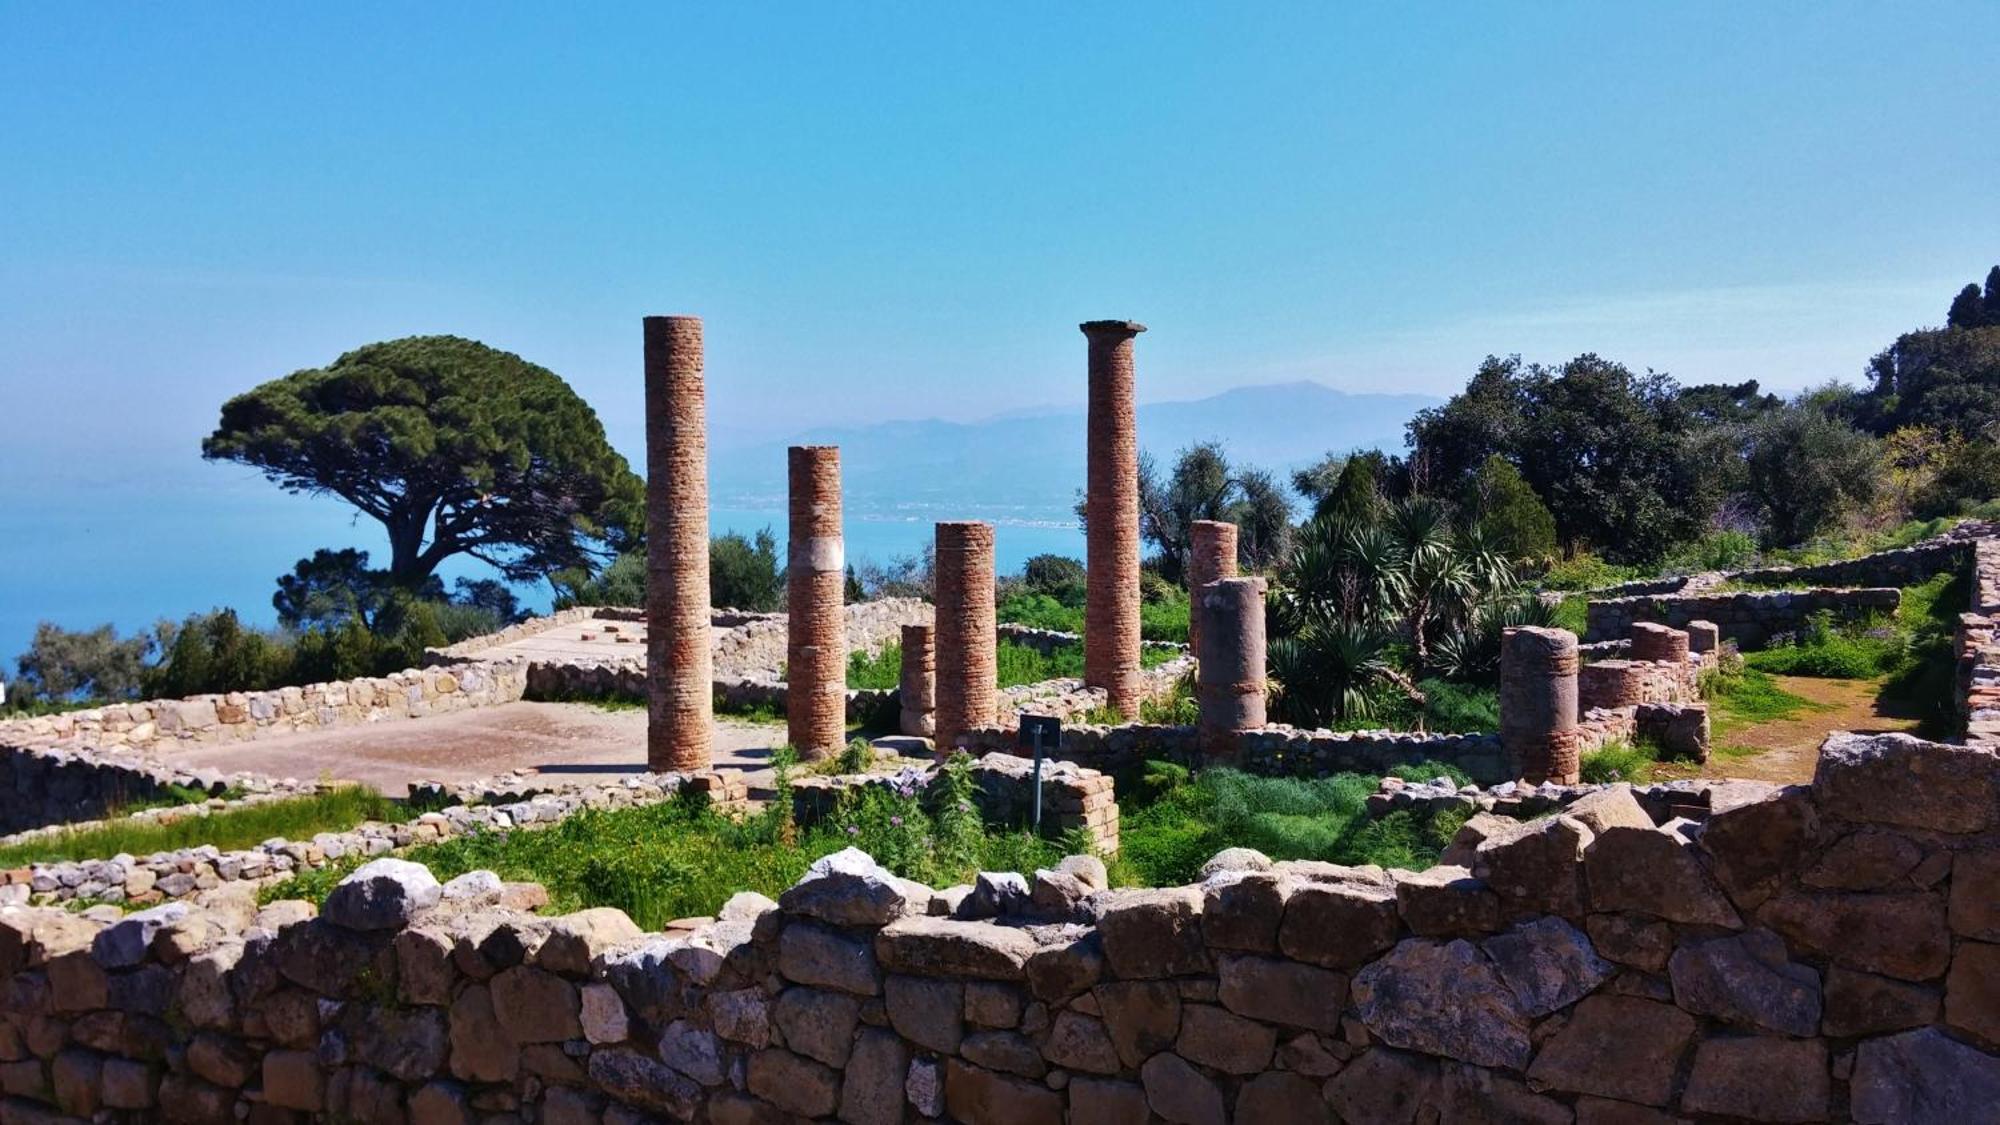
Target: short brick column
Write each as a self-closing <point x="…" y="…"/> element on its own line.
<point x="1231" y="690"/>
<point x="815" y="581"/>
<point x="918" y="687"/>
<point x="1211" y="559"/>
<point x="968" y="673"/>
<point x="1611" y="684"/>
<point x="1653" y="641"/>
<point x="1538" y="691"/>
<point x="1111" y="518"/>
<point x="680" y="704"/>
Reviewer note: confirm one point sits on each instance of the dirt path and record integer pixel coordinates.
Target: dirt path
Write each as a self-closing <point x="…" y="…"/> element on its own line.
<point x="1786" y="750"/>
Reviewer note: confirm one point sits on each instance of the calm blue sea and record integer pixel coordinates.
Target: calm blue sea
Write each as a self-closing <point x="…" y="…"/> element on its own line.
<point x="132" y="553"/>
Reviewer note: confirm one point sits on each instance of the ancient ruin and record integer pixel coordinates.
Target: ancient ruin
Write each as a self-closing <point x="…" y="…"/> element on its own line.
<point x="816" y="636"/>
<point x="917" y="684"/>
<point x="1211" y="558"/>
<point x="1111" y="518"/>
<point x="1538" y="706"/>
<point x="967" y="668"/>
<point x="680" y="702"/>
<point x="1231" y="659"/>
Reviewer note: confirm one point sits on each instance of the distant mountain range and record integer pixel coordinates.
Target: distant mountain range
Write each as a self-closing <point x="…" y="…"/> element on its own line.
<point x="1029" y="465"/>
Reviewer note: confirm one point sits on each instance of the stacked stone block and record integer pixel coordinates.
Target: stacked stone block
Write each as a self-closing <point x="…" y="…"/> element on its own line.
<point x="1749" y="619"/>
<point x="917" y="685"/>
<point x="1653" y="641"/>
<point x="968" y="675"/>
<point x="1074" y="798"/>
<point x="1538" y="703"/>
<point x="1815" y="953"/>
<point x="1211" y="558"/>
<point x="680" y="716"/>
<point x="1111" y="517"/>
<point x="1231" y="660"/>
<point x="815" y="583"/>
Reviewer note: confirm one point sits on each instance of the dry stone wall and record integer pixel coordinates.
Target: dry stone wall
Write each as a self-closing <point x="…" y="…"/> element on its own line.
<point x="1814" y="953"/>
<point x="1979" y="650"/>
<point x="1276" y="750"/>
<point x="1749" y="619"/>
<point x="1073" y="797"/>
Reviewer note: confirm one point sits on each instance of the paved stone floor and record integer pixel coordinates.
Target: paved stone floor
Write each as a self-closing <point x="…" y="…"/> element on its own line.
<point x="575" y="741"/>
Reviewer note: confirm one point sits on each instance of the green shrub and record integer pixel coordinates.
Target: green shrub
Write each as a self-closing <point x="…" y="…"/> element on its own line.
<point x="1040" y="611"/>
<point x="1430" y="771"/>
<point x="1587" y="572"/>
<point x="1460" y="708"/>
<point x="880" y="672"/>
<point x="1619" y="761"/>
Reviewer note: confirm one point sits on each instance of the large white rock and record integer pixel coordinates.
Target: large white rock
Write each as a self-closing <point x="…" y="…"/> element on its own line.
<point x="383" y="894"/>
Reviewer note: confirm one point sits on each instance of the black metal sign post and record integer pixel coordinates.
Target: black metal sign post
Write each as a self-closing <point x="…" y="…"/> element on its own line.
<point x="1038" y="731"/>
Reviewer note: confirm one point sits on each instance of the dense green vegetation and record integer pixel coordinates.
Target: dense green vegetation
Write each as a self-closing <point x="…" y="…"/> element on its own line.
<point x="680" y="858"/>
<point x="294" y="818"/>
<point x="1019" y="664"/>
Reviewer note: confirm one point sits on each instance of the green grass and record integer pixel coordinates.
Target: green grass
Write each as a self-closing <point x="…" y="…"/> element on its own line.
<point x="1739" y="696"/>
<point x="1620" y="761"/>
<point x="1163" y="619"/>
<point x="682" y="859"/>
<point x="295" y="818"/>
<point x="1171" y="823"/>
<point x="1573" y="613"/>
<point x="1019" y="664"/>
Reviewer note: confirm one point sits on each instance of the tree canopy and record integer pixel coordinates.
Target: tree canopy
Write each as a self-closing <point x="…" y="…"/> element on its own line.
<point x="456" y="447"/>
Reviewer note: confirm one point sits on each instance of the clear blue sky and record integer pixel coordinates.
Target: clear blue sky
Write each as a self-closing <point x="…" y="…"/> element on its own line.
<point x="903" y="211"/>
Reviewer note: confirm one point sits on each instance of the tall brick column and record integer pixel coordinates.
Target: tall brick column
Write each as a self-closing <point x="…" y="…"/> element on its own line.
<point x="1111" y="518"/>
<point x="1538" y="696"/>
<point x="968" y="673"/>
<point x="1212" y="558"/>
<point x="815" y="581"/>
<point x="1231" y="689"/>
<point x="680" y="702"/>
<point x="918" y="686"/>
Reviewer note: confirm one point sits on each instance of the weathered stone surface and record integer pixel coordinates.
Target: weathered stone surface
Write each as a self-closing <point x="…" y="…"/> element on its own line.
<point x="1868" y="860"/>
<point x="1629" y="939"/>
<point x="817" y="1023"/>
<point x="124" y="943"/>
<point x="848" y="888"/>
<point x="1616" y="1047"/>
<point x="1180" y="1093"/>
<point x="1759" y="1077"/>
<point x="1080" y="1042"/>
<point x="794" y="1083"/>
<point x="1548" y="964"/>
<point x="1223" y="1040"/>
<point x="811" y="955"/>
<point x="1923" y="1075"/>
<point x="383" y="894"/>
<point x="1008" y="1052"/>
<point x="1339" y="925"/>
<point x="1285" y="992"/>
<point x="575" y="940"/>
<point x="1865" y="1004"/>
<point x="536" y="1006"/>
<point x="481" y="1051"/>
<point x="929" y="1013"/>
<point x="1536" y="868"/>
<point x="603" y="1014"/>
<point x="1383" y="1085"/>
<point x="1243" y="909"/>
<point x="944" y="947"/>
<point x="978" y="1096"/>
<point x="1972" y="992"/>
<point x="1282" y="1099"/>
<point x="871" y="1087"/>
<point x="1754" y="844"/>
<point x="1142" y="1017"/>
<point x="1155" y="933"/>
<point x="1747" y="980"/>
<point x="1446" y="902"/>
<point x="1975" y="895"/>
<point x="1604" y="1111"/>
<point x="1613" y="806"/>
<point x="988" y="1004"/>
<point x="1898" y="779"/>
<point x="1900" y="935"/>
<point x="924" y="1087"/>
<point x="692" y="1050"/>
<point x="1478" y="1096"/>
<point x="638" y="1080"/>
<point x="410" y="1043"/>
<point x="1066" y="967"/>
<point x="1098" y="1100"/>
<point x="996" y="894"/>
<point x="292" y="1080"/>
<point x="1443" y="998"/>
<point x="1654" y="871"/>
<point x="741" y="1015"/>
